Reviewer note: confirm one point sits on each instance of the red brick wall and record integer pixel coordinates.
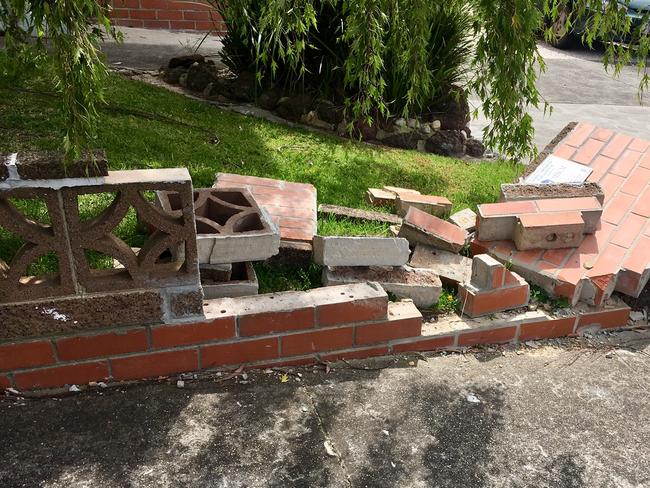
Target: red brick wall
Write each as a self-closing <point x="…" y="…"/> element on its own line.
<point x="167" y="14"/>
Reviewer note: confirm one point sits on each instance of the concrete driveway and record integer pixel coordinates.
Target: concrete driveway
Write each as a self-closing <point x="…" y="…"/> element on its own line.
<point x="570" y="414"/>
<point x="577" y="86"/>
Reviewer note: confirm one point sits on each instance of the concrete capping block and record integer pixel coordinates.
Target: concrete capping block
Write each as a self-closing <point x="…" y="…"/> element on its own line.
<point x="423" y="286"/>
<point x="512" y="192"/>
<point x="434" y="205"/>
<point x="357" y="214"/>
<point x="360" y="251"/>
<point x="465" y="219"/>
<point x="452" y="268"/>
<point x="549" y="231"/>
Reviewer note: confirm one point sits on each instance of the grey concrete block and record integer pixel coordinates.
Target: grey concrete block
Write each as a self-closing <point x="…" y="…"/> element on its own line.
<point x="242" y="282"/>
<point x="511" y="192"/>
<point x="465" y="219"/>
<point x="487" y="273"/>
<point x="451" y="267"/>
<point x="360" y="251"/>
<point x="423" y="286"/>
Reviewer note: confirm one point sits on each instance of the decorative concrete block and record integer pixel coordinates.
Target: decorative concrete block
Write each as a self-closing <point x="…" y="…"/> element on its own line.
<point x="421" y="227"/>
<point x="434" y="205"/>
<point x="549" y="231"/>
<point x="465" y="219"/>
<point x="231" y="227"/>
<point x="242" y="282"/>
<point x="423" y="286"/>
<point x="360" y="251"/>
<point x="452" y="268"/>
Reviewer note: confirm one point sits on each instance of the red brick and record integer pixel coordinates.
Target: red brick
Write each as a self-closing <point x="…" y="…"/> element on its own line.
<point x="642" y="206"/>
<point x="555" y="256"/>
<point x="629" y="230"/>
<point x="317" y="341"/>
<point x="616" y="146"/>
<point x="25" y="355"/>
<point x="143" y="14"/>
<point x="480" y="247"/>
<point x="443" y="230"/>
<point x="487" y="336"/>
<point x="608" y="262"/>
<point x="156" y="24"/>
<point x="568" y="204"/>
<point x="181" y="24"/>
<point x="230" y="179"/>
<point x="645" y="160"/>
<point x="214" y="25"/>
<point x="507" y="208"/>
<point x="270" y="322"/>
<point x="300" y="235"/>
<point x="625" y="163"/>
<point x="126" y="3"/>
<point x="155" y="364"/>
<point x="547" y="329"/>
<point x="239" y="352"/>
<point x="639" y="145"/>
<point x="5" y="382"/>
<point x="352" y="311"/>
<point x="355" y="354"/>
<point x="639" y="259"/>
<point x="565" y="151"/>
<point x="154" y="4"/>
<point x="425" y="344"/>
<point x="588" y="151"/>
<point x="388" y="331"/>
<point x="167" y="336"/>
<point x="69" y="374"/>
<point x="637" y="181"/>
<point x="179" y="5"/>
<point x="102" y="345"/>
<point x="486" y="302"/>
<point x="196" y="15"/>
<point x="602" y="134"/>
<point x="169" y="15"/>
<point x="600" y="165"/>
<point x="610" y="185"/>
<point x="579" y="134"/>
<point x="120" y="13"/>
<point x="605" y="319"/>
<point x="617" y="208"/>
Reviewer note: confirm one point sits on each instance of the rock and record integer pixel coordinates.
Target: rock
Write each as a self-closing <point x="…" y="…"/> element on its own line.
<point x="474" y="147"/>
<point x="426" y="129"/>
<point x="413" y="124"/>
<point x="182" y="80"/>
<point x="269" y="99"/>
<point x="329" y="112"/>
<point x="173" y="75"/>
<point x="435" y="125"/>
<point x="199" y="76"/>
<point x="311" y="118"/>
<point x="293" y="108"/>
<point x="421" y="145"/>
<point x="381" y="134"/>
<point x="445" y="143"/>
<point x="465" y="219"/>
<point x="185" y="61"/>
<point x="453" y="114"/>
<point x="243" y="88"/>
<point x="401" y="122"/>
<point x="402" y="140"/>
<point x="364" y="131"/>
<point x="637" y="316"/>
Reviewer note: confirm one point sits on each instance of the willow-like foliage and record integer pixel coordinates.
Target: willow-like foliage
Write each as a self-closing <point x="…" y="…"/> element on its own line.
<point x="68" y="32"/>
<point x="388" y="67"/>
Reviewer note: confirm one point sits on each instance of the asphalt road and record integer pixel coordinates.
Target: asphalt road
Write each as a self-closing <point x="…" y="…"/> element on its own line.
<point x="562" y="416"/>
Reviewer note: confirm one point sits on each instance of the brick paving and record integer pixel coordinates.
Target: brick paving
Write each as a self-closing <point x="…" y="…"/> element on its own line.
<point x="616" y="256"/>
<point x="292" y="206"/>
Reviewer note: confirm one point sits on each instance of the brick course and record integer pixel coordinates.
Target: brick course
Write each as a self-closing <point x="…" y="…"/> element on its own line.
<point x="167" y="14"/>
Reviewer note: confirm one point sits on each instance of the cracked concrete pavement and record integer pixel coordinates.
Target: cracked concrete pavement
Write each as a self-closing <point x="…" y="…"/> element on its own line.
<point x="568" y="414"/>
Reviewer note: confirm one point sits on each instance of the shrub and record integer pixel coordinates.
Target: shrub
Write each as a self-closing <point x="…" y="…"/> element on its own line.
<point x="316" y="48"/>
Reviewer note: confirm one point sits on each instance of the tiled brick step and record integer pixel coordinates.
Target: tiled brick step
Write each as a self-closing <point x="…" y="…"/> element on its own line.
<point x="355" y="320"/>
<point x="456" y="332"/>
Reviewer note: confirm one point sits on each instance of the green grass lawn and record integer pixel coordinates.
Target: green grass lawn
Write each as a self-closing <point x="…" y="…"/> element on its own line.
<point x="149" y="127"/>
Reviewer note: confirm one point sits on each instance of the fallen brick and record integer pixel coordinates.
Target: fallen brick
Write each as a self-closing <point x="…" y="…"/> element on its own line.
<point x="420" y="227"/>
<point x="423" y="286"/>
<point x="380" y="198"/>
<point x="357" y="214"/>
<point x="549" y="231"/>
<point x="360" y="251"/>
<point x="434" y="205"/>
<point x="397" y="190"/>
<point x="465" y="219"/>
<point x="452" y="268"/>
<point x="514" y="192"/>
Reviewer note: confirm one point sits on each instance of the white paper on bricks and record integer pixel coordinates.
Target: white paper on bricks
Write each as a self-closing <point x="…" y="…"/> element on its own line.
<point x="559" y="170"/>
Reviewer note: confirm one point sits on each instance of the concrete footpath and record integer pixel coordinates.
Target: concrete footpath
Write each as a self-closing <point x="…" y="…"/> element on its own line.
<point x="568" y="414"/>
